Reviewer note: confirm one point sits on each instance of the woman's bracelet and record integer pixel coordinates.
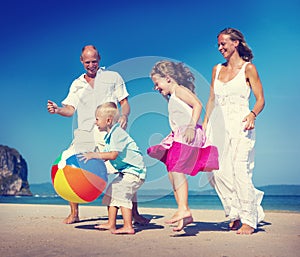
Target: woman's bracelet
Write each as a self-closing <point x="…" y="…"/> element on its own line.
<point x="254" y="113"/>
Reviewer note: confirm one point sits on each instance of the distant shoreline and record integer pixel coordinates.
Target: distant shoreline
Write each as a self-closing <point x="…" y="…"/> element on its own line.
<point x="200" y="202"/>
<point x="290" y="190"/>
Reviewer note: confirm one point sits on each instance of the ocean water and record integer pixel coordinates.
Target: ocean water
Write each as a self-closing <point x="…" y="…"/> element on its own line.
<point x="208" y="202"/>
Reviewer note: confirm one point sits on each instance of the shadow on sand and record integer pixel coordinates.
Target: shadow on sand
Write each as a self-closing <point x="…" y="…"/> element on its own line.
<point x="137" y="227"/>
<point x="197" y="227"/>
<point x="191" y="230"/>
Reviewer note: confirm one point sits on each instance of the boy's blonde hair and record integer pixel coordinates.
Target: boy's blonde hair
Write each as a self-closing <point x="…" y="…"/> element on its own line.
<point x="109" y="109"/>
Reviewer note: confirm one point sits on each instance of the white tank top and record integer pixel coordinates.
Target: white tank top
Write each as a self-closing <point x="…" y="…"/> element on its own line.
<point x="234" y="91"/>
<point x="180" y="113"/>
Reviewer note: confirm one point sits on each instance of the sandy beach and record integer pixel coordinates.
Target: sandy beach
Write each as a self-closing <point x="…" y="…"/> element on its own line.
<point x="37" y="230"/>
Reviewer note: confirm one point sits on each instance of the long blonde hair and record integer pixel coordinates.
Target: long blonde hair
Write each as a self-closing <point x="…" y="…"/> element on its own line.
<point x="177" y="71"/>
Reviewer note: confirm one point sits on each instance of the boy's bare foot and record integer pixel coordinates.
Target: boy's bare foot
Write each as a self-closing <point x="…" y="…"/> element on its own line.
<point x="140" y="220"/>
<point x="234" y="225"/>
<point x="71" y="219"/>
<point x="245" y="230"/>
<point x="179" y="215"/>
<point x="183" y="223"/>
<point x="123" y="231"/>
<point x="105" y="226"/>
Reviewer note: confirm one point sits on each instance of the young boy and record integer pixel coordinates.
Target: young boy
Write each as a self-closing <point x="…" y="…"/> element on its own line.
<point x="123" y="153"/>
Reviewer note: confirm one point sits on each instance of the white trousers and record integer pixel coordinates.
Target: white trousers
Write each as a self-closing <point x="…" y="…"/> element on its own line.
<point x="233" y="181"/>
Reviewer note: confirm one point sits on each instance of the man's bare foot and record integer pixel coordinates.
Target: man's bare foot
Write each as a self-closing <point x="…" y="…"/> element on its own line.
<point x="140" y="220"/>
<point x="245" y="230"/>
<point x="71" y="219"/>
<point x="183" y="223"/>
<point x="105" y="226"/>
<point x="179" y="215"/>
<point x="234" y="225"/>
<point x="123" y="231"/>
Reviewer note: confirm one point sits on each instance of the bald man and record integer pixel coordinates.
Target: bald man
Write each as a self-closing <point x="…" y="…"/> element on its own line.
<point x="96" y="86"/>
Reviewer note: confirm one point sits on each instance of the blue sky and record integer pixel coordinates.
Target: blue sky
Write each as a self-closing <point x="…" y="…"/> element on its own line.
<point x="41" y="44"/>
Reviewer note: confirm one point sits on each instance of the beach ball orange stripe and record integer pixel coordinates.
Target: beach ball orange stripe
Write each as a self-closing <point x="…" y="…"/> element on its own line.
<point x="62" y="187"/>
<point x="78" y="181"/>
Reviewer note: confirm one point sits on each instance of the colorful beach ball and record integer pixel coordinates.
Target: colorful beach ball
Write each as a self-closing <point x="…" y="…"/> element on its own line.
<point x="79" y="182"/>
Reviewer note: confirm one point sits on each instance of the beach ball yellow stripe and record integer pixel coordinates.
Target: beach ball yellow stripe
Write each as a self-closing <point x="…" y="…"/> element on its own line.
<point x="63" y="188"/>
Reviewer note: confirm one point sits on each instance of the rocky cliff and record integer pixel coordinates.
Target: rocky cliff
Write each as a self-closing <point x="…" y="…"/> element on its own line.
<point x="13" y="172"/>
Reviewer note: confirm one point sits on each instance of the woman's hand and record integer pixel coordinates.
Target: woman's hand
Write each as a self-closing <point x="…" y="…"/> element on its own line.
<point x="250" y="121"/>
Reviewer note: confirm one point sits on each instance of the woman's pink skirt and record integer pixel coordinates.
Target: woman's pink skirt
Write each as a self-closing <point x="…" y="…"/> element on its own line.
<point x="178" y="156"/>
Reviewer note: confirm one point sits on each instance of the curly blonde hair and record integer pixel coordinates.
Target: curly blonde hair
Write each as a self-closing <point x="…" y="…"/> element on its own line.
<point x="177" y="71"/>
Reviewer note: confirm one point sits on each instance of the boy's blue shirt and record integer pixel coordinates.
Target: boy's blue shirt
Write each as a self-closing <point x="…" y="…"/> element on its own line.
<point x="130" y="158"/>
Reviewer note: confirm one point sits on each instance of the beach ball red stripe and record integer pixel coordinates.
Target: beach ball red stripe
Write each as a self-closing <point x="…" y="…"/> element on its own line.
<point x="78" y="181"/>
<point x="55" y="168"/>
<point x="53" y="172"/>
